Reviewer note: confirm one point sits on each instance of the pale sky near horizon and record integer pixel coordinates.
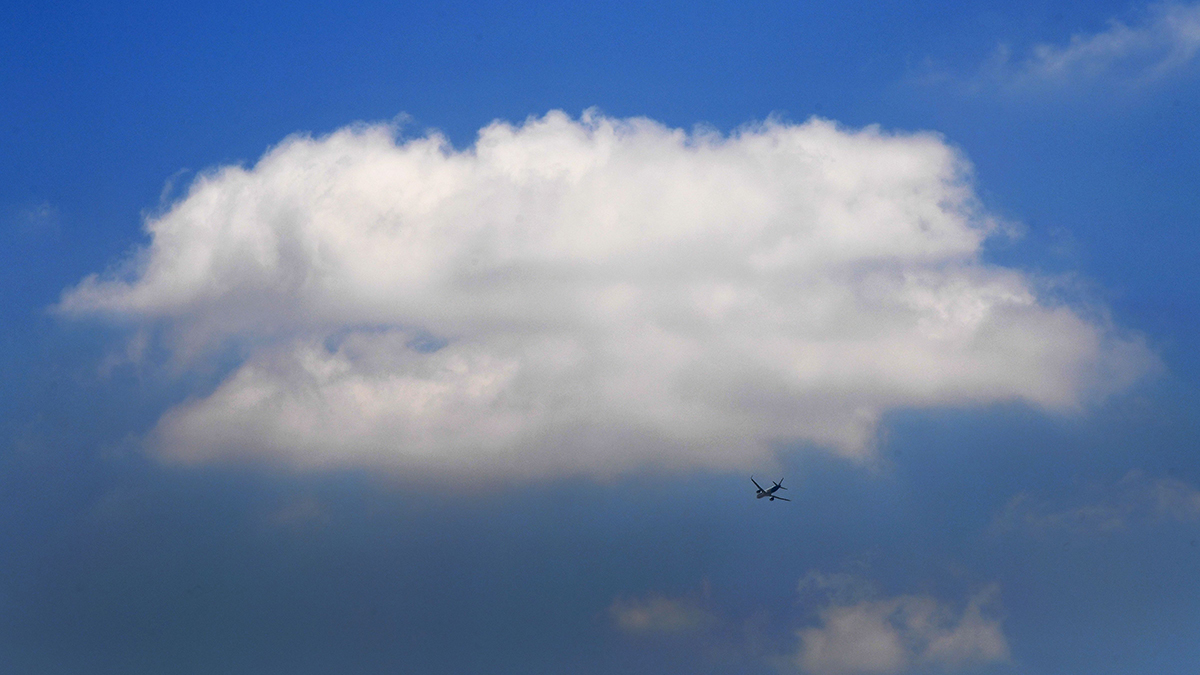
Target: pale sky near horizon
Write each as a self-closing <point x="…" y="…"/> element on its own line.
<point x="446" y="337"/>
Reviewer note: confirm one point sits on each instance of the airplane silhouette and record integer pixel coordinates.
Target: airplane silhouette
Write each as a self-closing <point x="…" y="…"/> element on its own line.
<point x="769" y="492"/>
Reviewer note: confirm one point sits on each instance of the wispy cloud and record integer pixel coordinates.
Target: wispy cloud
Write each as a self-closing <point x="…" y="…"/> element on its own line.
<point x="300" y="515"/>
<point x="657" y="614"/>
<point x="864" y="633"/>
<point x="591" y="295"/>
<point x="1163" y="42"/>
<point x="1136" y="499"/>
<point x="41" y="220"/>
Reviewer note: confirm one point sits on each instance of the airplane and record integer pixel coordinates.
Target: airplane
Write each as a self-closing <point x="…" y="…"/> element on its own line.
<point x="770" y="493"/>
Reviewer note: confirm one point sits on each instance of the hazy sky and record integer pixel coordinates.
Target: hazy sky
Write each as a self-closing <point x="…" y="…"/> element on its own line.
<point x="446" y="338"/>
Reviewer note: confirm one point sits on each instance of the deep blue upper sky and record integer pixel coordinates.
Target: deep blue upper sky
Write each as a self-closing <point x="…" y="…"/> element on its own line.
<point x="111" y="562"/>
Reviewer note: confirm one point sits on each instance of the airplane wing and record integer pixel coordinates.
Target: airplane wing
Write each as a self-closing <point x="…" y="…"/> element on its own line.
<point x="783" y="498"/>
<point x="755" y="483"/>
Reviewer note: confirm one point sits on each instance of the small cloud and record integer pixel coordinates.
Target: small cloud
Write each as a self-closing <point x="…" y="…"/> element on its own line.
<point x="1166" y="40"/>
<point x="1163" y="42"/>
<point x="841" y="587"/>
<point x="299" y="514"/>
<point x="114" y="506"/>
<point x="37" y="221"/>
<point x="1133" y="500"/>
<point x="132" y="353"/>
<point x="657" y="614"/>
<point x="901" y="633"/>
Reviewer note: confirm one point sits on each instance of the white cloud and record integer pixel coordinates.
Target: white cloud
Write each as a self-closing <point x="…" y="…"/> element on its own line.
<point x="1134" y="500"/>
<point x="590" y="295"/>
<point x="897" y="634"/>
<point x="659" y="614"/>
<point x="1165" y="41"/>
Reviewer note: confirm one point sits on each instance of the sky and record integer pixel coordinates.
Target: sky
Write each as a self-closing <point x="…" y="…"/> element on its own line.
<point x="447" y="337"/>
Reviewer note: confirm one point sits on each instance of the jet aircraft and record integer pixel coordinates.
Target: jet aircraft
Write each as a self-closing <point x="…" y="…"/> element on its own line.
<point x="769" y="492"/>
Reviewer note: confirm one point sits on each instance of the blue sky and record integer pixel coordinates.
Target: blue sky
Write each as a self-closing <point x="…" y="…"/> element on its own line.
<point x="402" y="338"/>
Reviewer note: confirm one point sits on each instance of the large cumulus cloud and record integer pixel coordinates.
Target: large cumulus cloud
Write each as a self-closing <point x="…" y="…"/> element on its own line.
<point x="589" y="295"/>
